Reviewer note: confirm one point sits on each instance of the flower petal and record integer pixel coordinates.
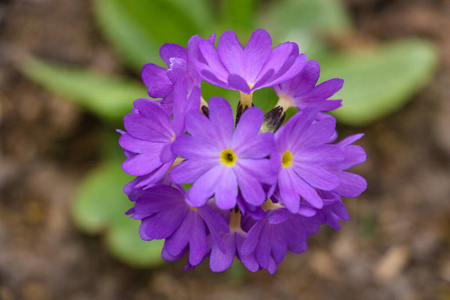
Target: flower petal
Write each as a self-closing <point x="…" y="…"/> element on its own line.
<point x="199" y="126"/>
<point x="256" y="53"/>
<point x="248" y="126"/>
<point x="205" y="186"/>
<point x="170" y="50"/>
<point x="288" y="191"/>
<point x="236" y="82"/>
<point x="221" y="116"/>
<point x="213" y="62"/>
<point x="190" y="170"/>
<point x="192" y="147"/>
<point x="307" y="192"/>
<point x="226" y="189"/>
<point x="156" y="80"/>
<point x="351" y="185"/>
<point x="219" y="261"/>
<point x="258" y="147"/>
<point x="163" y="224"/>
<point x="250" y="187"/>
<point x="231" y="52"/>
<point x="197" y="241"/>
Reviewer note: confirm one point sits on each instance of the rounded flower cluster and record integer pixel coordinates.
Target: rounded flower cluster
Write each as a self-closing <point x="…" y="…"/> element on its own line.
<point x="217" y="185"/>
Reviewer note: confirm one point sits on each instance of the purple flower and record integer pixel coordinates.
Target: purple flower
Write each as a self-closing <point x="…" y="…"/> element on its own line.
<point x="280" y="231"/>
<point x="164" y="214"/>
<point x="150" y="133"/>
<point x="219" y="158"/>
<point x="301" y="91"/>
<point x="221" y="260"/>
<point x="249" y="69"/>
<point x="160" y="81"/>
<point x="305" y="157"/>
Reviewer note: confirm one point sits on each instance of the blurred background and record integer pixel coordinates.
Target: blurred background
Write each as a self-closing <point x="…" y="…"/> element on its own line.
<point x="69" y="71"/>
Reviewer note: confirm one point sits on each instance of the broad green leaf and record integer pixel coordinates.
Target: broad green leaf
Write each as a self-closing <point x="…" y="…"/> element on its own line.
<point x="104" y="95"/>
<point x="379" y="81"/>
<point x="100" y="206"/>
<point x="306" y="21"/>
<point x="124" y="242"/>
<point x="100" y="199"/>
<point x="138" y="28"/>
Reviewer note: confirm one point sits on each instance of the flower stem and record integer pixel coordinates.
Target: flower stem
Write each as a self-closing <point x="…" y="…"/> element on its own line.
<point x="246" y="102"/>
<point x="235" y="220"/>
<point x="177" y="161"/>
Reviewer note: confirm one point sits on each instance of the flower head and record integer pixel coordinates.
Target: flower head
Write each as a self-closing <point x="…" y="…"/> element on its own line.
<point x="256" y="188"/>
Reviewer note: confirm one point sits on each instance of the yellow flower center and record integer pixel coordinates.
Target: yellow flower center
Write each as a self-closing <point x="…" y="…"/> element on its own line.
<point x="227" y="157"/>
<point x="286" y="159"/>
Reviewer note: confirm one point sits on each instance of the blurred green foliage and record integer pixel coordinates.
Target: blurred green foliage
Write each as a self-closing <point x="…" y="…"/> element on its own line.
<point x="378" y="81"/>
<point x="104" y="95"/>
<point x="395" y="72"/>
<point x="138" y="28"/>
<point x="100" y="205"/>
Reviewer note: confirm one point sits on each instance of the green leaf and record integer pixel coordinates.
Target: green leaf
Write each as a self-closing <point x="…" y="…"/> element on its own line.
<point x="100" y="198"/>
<point x="125" y="244"/>
<point x="305" y="21"/>
<point x="107" y="96"/>
<point x="100" y="206"/>
<point x="379" y="81"/>
<point x="138" y="28"/>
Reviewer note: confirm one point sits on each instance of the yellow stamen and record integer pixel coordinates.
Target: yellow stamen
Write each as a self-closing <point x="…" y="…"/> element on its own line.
<point x="227" y="157"/>
<point x="286" y="160"/>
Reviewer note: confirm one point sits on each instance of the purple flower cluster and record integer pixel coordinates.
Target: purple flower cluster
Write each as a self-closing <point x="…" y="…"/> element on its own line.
<point x="218" y="185"/>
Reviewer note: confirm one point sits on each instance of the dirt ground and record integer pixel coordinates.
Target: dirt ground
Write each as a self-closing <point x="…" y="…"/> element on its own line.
<point x="396" y="245"/>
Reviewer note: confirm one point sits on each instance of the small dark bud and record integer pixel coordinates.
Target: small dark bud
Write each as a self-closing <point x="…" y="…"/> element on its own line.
<point x="205" y="111"/>
<point x="273" y="120"/>
<point x="240" y="110"/>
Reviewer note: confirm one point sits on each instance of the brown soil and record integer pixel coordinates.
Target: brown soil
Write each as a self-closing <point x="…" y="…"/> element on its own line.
<point x="396" y="245"/>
